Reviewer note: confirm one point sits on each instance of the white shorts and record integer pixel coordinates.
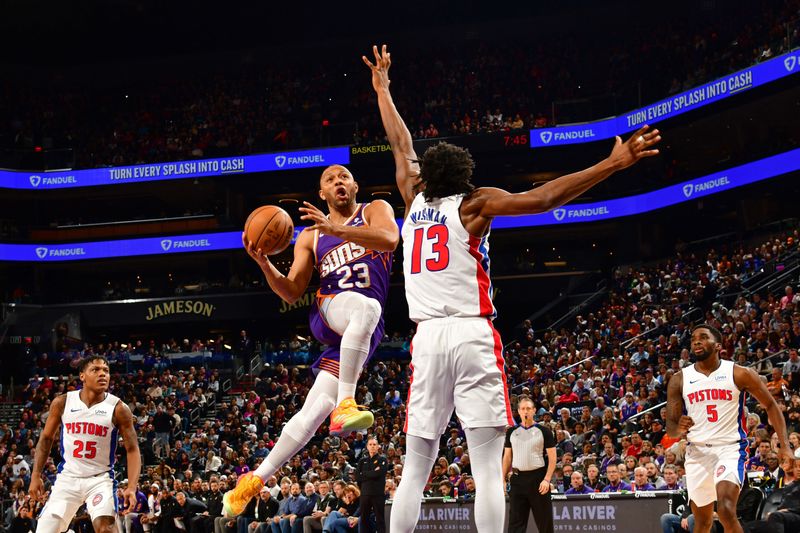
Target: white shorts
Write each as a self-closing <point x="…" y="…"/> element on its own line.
<point x="708" y="465"/>
<point x="69" y="493"/>
<point x="456" y="363"/>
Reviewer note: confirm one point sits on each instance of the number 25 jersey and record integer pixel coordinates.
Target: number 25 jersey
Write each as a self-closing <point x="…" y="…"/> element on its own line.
<point x="446" y="269"/>
<point x="88" y="436"/>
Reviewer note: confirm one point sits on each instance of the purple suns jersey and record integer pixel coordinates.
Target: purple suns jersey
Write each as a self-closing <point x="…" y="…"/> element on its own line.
<point x="346" y="266"/>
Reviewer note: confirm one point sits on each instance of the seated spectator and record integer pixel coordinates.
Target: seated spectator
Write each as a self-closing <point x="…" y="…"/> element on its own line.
<point x="615" y="483"/>
<point x="345" y="518"/>
<point x="640" y="481"/>
<point x="577" y="485"/>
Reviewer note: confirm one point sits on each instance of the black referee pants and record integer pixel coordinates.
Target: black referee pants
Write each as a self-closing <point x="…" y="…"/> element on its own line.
<point x="370" y="504"/>
<point x="524" y="497"/>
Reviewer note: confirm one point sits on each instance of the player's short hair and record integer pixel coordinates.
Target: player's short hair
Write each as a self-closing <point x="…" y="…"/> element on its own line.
<point x="524" y="398"/>
<point x="329" y="167"/>
<point x="714" y="331"/>
<point x="445" y="170"/>
<point x="90" y="359"/>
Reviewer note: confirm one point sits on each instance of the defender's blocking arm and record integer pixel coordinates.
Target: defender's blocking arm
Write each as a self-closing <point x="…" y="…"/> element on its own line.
<point x="405" y="158"/>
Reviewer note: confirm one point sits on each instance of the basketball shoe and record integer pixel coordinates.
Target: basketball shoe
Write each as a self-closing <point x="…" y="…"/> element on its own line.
<point x="234" y="501"/>
<point x="347" y="417"/>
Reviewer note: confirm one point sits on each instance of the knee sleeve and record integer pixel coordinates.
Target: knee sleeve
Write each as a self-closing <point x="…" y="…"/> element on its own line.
<point x="354" y="316"/>
<point x="485" y="453"/>
<point x="420" y="455"/>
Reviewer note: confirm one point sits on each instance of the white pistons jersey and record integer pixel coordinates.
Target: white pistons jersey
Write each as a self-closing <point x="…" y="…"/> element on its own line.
<point x="446" y="269"/>
<point x="88" y="436"/>
<point x="715" y="404"/>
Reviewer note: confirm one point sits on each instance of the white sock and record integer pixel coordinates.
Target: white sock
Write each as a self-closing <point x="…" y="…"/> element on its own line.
<point x="351" y="361"/>
<point x="486" y="456"/>
<point x="420" y="455"/>
<point x="302" y="426"/>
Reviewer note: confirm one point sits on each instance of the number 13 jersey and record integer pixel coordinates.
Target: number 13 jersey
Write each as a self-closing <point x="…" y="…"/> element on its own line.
<point x="715" y="404"/>
<point x="88" y="436"/>
<point x="446" y="269"/>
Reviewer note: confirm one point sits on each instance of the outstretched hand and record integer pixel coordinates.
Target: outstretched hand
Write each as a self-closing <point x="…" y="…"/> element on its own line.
<point x="635" y="148"/>
<point x="380" y="70"/>
<point x="319" y="220"/>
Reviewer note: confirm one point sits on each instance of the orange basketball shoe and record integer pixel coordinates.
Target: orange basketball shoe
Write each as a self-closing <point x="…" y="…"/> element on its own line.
<point x="347" y="417"/>
<point x="234" y="501"/>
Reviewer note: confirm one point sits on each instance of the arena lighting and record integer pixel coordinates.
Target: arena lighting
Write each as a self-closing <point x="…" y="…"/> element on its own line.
<point x="760" y="74"/>
<point x="723" y="180"/>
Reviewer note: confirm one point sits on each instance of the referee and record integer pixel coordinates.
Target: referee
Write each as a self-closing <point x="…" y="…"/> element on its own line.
<point x="531" y="470"/>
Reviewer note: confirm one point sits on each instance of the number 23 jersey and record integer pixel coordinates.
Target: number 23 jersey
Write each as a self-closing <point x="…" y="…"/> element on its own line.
<point x="446" y="269"/>
<point x="347" y="266"/>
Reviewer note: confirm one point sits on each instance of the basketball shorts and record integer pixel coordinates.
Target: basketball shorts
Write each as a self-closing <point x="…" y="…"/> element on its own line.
<point x="457" y="363"/>
<point x="708" y="465"/>
<point x="69" y="493"/>
<point x="329" y="359"/>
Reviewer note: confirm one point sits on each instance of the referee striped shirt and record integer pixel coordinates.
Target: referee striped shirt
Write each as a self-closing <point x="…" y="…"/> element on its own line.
<point x="528" y="445"/>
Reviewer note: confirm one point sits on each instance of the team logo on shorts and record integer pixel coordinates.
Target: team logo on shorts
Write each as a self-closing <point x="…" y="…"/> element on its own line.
<point x="97" y="499"/>
<point x="720" y="470"/>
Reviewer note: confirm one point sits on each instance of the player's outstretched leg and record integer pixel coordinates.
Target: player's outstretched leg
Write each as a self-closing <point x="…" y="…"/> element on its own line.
<point x="296" y="433"/>
<point x="355" y="317"/>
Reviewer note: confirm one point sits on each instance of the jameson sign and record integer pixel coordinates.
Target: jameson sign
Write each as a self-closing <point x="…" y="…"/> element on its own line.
<point x="189" y="307"/>
<point x="579" y="513"/>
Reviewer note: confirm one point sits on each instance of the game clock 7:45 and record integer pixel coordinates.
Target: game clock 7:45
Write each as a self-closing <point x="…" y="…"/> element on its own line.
<point x="514" y="140"/>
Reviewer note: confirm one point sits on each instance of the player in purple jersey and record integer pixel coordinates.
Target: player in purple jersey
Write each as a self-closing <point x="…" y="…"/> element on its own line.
<point x="352" y="249"/>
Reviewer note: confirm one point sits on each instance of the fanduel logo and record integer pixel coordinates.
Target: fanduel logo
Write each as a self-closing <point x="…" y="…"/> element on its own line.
<point x="559" y="214"/>
<point x="166" y="244"/>
<point x="546" y="137"/>
<point x="689" y="189"/>
<point x="790" y="62"/>
<point x="35" y="180"/>
<point x="41" y="252"/>
<point x="280" y="160"/>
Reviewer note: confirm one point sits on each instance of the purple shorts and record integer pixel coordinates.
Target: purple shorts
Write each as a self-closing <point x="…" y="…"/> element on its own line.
<point x="329" y="360"/>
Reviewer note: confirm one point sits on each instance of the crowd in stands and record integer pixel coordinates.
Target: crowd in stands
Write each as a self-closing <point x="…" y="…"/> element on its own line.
<point x="596" y="384"/>
<point x="465" y="89"/>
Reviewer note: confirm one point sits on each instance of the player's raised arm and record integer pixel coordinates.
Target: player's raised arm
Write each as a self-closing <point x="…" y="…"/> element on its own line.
<point x="559" y="191"/>
<point x="380" y="232"/>
<point x="677" y="423"/>
<point x="123" y="420"/>
<point x="747" y="380"/>
<point x="291" y="286"/>
<point x="405" y="158"/>
<point x="45" y="444"/>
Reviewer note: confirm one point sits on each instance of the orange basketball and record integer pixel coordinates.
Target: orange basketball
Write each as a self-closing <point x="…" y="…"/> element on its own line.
<point x="269" y="228"/>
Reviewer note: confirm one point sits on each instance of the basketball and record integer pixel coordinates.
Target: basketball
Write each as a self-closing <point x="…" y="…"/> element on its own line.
<point x="269" y="228"/>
